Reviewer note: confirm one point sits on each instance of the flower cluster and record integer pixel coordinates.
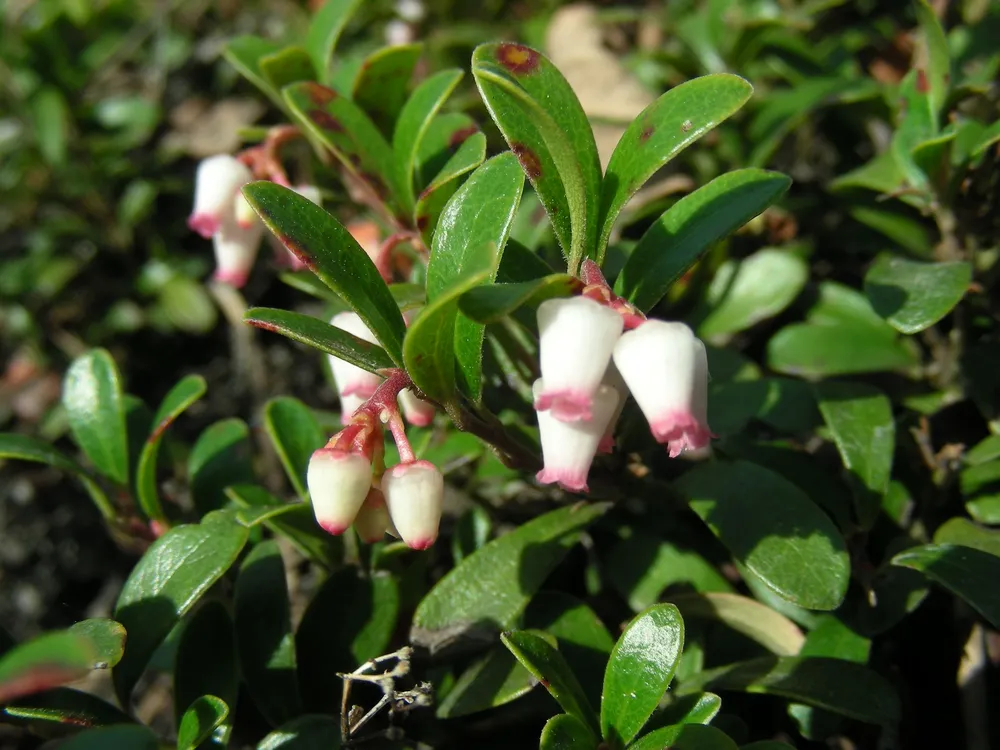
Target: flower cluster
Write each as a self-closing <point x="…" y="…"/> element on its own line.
<point x="596" y="349"/>
<point x="348" y="482"/>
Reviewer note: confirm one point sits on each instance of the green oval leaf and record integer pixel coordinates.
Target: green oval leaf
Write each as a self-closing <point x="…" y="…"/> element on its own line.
<point x="341" y="126"/>
<point x="566" y="732"/>
<point x="305" y="733"/>
<point x="447" y="132"/>
<point x="95" y="408"/>
<point x="489" y="589"/>
<point x="810" y="350"/>
<point x="491" y="304"/>
<point x="108" y="638"/>
<point x="640" y="669"/>
<point x="414" y="120"/>
<point x="172" y="575"/>
<point x="468" y="244"/>
<point x="690" y="227"/>
<point x="324" y="31"/>
<point x="432" y="199"/>
<point x="861" y="423"/>
<point x="548" y="666"/>
<point x="760" y="623"/>
<point x="320" y="335"/>
<point x="545" y="126"/>
<point x="842" y="687"/>
<point x="381" y="84"/>
<point x="771" y="527"/>
<point x="220" y="457"/>
<point x="697" y="708"/>
<point x="323" y="244"/>
<point x="264" y="638"/>
<point x="664" y="129"/>
<point x="493" y="680"/>
<point x="349" y="621"/>
<point x="296" y="434"/>
<point x="685" y="737"/>
<point x="49" y="660"/>
<point x="181" y="396"/>
<point x="967" y="572"/>
<point x="747" y="291"/>
<point x="288" y="65"/>
<point x="200" y="720"/>
<point x="913" y="296"/>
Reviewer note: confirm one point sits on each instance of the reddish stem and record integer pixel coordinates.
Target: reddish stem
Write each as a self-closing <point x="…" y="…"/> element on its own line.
<point x="383" y="405"/>
<point x="598" y="289"/>
<point x="264" y="160"/>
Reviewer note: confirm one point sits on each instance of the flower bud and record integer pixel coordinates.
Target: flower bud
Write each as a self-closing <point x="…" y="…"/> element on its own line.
<point x="373" y="518"/>
<point x="338" y="482"/>
<point x="414" y="493"/>
<point x="216" y="182"/>
<point x="417" y="412"/>
<point x="235" y="251"/>
<point x="576" y="338"/>
<point x="666" y="369"/>
<point x="568" y="448"/>
<point x="352" y="380"/>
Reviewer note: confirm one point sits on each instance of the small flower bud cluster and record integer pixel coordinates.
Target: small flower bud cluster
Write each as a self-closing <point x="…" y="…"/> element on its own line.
<point x="590" y="364"/>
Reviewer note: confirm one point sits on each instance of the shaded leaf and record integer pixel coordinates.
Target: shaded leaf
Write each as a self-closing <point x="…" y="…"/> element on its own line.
<point x="566" y="732"/>
<point x="289" y="65"/>
<point x="304" y="733"/>
<point x="108" y="638"/>
<point x="64" y="706"/>
<point x="432" y="199"/>
<point x="967" y="572"/>
<point x="296" y="434"/>
<point x="122" y="737"/>
<point x="491" y="304"/>
<point x="381" y="84"/>
<point x="200" y="720"/>
<point x="685" y="737"/>
<point x="220" y="457"/>
<point x="913" y="296"/>
<point x="760" y="623"/>
<point x="49" y="660"/>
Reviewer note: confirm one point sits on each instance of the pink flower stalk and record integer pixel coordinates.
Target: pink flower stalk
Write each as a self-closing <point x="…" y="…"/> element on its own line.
<point x="568" y="448"/>
<point x="373" y="518"/>
<point x="666" y="369"/>
<point x="577" y="336"/>
<point x="352" y="380"/>
<point x="339" y="481"/>
<point x="416" y="411"/>
<point x="414" y="493"/>
<point x="235" y="250"/>
<point x="216" y="184"/>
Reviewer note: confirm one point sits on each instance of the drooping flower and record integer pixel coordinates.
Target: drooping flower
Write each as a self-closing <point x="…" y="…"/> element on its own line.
<point x="568" y="448"/>
<point x="576" y="338"/>
<point x="614" y="379"/>
<point x="217" y="181"/>
<point x="339" y="481"/>
<point x="414" y="493"/>
<point x="416" y="411"/>
<point x="352" y="380"/>
<point x="373" y="517"/>
<point x="666" y="369"/>
<point x="235" y="250"/>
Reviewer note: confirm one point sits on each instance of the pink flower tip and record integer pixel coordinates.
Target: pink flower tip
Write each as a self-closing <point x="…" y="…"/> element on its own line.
<point x="680" y="431"/>
<point x="421" y="544"/>
<point x="335" y="529"/>
<point x="236" y="279"/>
<point x="568" y="481"/>
<point x="204" y="224"/>
<point x="566" y="406"/>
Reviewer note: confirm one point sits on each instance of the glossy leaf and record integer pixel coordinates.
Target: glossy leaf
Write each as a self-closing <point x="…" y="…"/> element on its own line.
<point x="200" y="720"/>
<point x="429" y="349"/>
<point x="296" y="434"/>
<point x="95" y="408"/>
<point x="468" y="244"/>
<point x="264" y="638"/>
<point x="967" y="572"/>
<point x="745" y="292"/>
<point x="108" y="638"/>
<point x="305" y="733"/>
<point x="349" y="620"/>
<point x="414" y="120"/>
<point x="685" y="737"/>
<point x="491" y="304"/>
<point x="566" y="732"/>
<point x="543" y="660"/>
<point x="691" y="226"/>
<point x="913" y="296"/>
<point x="320" y="335"/>
<point x="170" y="578"/>
<point x="220" y="457"/>
<point x="543" y="123"/>
<point x="324" y="31"/>
<point x="696" y="708"/>
<point x="432" y="199"/>
<point x="760" y="623"/>
<point x="489" y="589"/>
<point x="665" y="128"/>
<point x="770" y="526"/>
<point x="122" y="737"/>
<point x="381" y="84"/>
<point x="49" y="660"/>
<point x="842" y="687"/>
<point x="964" y="532"/>
<point x="330" y="251"/>
<point x="63" y="706"/>
<point x="493" y="680"/>
<point x="206" y="664"/>
<point x="860" y="420"/>
<point x="188" y="390"/>
<point x="640" y="669"/>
